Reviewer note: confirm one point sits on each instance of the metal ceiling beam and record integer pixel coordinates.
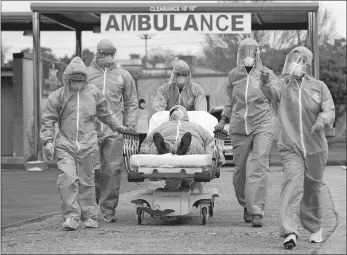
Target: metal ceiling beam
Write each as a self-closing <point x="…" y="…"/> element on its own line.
<point x="90" y="26"/>
<point x="28" y="26"/>
<point x="258" y="18"/>
<point x="97" y="16"/>
<point x="280" y="26"/>
<point x="62" y="20"/>
<point x="47" y="7"/>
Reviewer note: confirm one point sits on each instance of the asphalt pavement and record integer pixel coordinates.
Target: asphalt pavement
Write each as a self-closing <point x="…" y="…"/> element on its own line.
<point x="225" y="233"/>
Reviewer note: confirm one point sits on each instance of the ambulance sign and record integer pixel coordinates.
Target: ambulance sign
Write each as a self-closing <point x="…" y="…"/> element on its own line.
<point x="209" y="23"/>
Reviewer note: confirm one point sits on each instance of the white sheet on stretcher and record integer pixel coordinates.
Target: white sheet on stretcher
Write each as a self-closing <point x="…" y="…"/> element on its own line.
<point x="170" y="161"/>
<point x="202" y="118"/>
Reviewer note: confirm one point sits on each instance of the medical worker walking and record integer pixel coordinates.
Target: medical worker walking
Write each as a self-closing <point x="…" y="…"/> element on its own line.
<point x="251" y="130"/>
<point x="305" y="108"/>
<point x="74" y="107"/>
<point x="119" y="88"/>
<point x="180" y="90"/>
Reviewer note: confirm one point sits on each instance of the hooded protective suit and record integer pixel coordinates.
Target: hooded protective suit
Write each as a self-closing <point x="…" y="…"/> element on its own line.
<point x="303" y="106"/>
<point x="251" y="130"/>
<point x="76" y="145"/>
<point x="172" y="132"/>
<point x="119" y="88"/>
<point x="192" y="95"/>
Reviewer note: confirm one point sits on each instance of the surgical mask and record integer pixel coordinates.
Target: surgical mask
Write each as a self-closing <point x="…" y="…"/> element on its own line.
<point x="105" y="60"/>
<point x="296" y="70"/>
<point x="248" y="61"/>
<point x="181" y="81"/>
<point x="77" y="85"/>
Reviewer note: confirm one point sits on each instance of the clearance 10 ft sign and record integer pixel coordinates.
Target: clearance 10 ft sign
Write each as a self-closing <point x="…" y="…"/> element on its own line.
<point x="166" y="20"/>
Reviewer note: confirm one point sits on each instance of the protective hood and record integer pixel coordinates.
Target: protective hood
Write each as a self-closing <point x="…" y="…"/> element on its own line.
<point x="177" y="117"/>
<point x="181" y="68"/>
<point x="243" y="48"/>
<point x="104" y="46"/>
<point x="76" y="66"/>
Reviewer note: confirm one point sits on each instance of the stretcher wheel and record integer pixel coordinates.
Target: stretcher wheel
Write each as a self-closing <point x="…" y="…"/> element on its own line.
<point x="211" y="210"/>
<point x="140" y="213"/>
<point x="204" y="215"/>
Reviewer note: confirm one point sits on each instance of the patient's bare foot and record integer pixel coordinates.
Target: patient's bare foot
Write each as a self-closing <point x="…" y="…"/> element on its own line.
<point x="160" y="144"/>
<point x="185" y="143"/>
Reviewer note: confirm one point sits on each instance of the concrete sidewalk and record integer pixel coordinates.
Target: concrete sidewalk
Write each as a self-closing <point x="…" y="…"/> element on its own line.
<point x="335" y="178"/>
<point x="224" y="233"/>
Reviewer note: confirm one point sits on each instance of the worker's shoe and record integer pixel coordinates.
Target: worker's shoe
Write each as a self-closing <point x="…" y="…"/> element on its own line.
<point x="185" y="143"/>
<point x="256" y="221"/>
<point x="90" y="223"/>
<point x="246" y="216"/>
<point x="160" y="144"/>
<point x="110" y="218"/>
<point x="71" y="223"/>
<point x="316" y="237"/>
<point x="290" y="241"/>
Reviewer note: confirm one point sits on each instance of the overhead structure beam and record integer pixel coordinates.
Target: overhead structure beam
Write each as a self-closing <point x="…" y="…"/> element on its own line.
<point x="280" y="26"/>
<point x="46" y="7"/>
<point x="43" y="27"/>
<point x="61" y="20"/>
<point x="94" y="15"/>
<point x="260" y="21"/>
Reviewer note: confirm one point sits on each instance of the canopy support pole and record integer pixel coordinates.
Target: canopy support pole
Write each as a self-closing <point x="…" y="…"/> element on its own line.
<point x="78" y="43"/>
<point x="313" y="42"/>
<point x="37" y="165"/>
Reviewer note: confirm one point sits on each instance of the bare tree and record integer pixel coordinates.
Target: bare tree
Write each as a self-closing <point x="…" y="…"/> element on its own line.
<point x="290" y="38"/>
<point x="161" y="55"/>
<point x="283" y="39"/>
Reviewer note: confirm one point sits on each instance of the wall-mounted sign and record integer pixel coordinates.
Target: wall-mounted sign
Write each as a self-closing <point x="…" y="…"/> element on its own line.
<point x="210" y="23"/>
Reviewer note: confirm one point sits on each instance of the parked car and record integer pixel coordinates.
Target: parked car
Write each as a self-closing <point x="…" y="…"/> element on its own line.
<point x="228" y="148"/>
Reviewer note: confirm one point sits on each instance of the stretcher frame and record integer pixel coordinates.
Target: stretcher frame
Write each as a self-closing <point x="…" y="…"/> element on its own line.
<point x="182" y="199"/>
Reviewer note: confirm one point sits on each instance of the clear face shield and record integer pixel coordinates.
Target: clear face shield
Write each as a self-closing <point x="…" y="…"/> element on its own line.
<point x="247" y="55"/>
<point x="295" y="65"/>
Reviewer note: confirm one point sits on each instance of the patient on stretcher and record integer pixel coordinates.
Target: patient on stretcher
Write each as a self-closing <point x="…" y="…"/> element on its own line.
<point x="178" y="136"/>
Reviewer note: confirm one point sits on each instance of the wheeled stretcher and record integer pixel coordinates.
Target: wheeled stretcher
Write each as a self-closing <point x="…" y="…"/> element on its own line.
<point x="172" y="201"/>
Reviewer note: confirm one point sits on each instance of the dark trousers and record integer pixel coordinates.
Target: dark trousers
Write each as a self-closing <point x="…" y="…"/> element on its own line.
<point x="141" y="138"/>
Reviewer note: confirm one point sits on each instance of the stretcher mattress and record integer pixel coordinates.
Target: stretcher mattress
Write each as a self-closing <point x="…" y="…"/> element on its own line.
<point x="170" y="161"/>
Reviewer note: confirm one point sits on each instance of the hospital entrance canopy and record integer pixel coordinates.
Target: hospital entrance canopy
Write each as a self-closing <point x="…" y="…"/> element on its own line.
<point x="86" y="16"/>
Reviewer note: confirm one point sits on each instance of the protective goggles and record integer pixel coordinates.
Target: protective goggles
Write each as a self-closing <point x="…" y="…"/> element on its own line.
<point x="77" y="77"/>
<point x="106" y="54"/>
